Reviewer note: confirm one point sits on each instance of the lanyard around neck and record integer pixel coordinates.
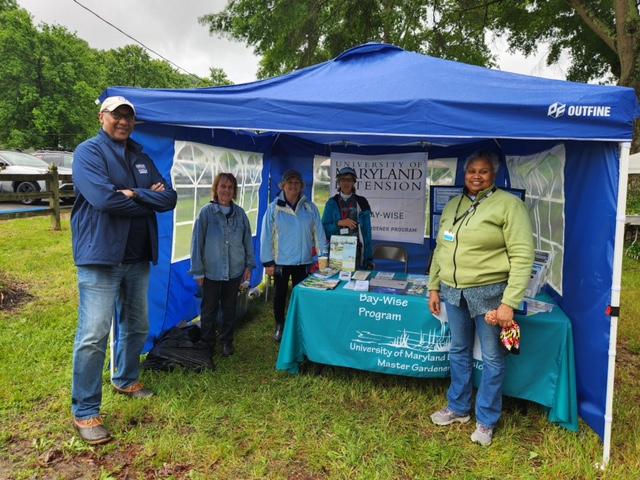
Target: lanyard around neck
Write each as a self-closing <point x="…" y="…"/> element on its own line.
<point x="473" y="206"/>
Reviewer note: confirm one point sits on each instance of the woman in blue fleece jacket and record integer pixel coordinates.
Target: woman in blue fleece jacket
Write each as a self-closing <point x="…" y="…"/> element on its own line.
<point x="292" y="235"/>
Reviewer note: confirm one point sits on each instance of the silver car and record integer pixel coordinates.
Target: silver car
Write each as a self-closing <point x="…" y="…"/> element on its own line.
<point x="55" y="157"/>
<point x="18" y="162"/>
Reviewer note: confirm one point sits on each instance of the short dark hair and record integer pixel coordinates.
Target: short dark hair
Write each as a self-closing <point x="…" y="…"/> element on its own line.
<point x="218" y="179"/>
<point x="487" y="155"/>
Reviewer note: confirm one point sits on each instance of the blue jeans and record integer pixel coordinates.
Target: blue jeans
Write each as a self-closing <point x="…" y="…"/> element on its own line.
<point x="103" y="288"/>
<point x="489" y="397"/>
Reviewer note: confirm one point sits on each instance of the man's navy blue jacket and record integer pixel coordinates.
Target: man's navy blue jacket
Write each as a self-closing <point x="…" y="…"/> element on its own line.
<point x="101" y="215"/>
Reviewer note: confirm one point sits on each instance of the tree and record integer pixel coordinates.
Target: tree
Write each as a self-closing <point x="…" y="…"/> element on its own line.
<point x="67" y="83"/>
<point x="291" y="34"/>
<point x="18" y="76"/>
<point x="217" y="77"/>
<point x="8" y="5"/>
<point x="50" y="79"/>
<point x="601" y="36"/>
<point x="132" y="66"/>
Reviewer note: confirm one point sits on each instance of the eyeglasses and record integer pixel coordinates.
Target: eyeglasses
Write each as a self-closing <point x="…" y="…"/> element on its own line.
<point x="129" y="117"/>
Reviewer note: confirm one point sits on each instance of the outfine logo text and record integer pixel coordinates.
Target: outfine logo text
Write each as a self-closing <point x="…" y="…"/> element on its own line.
<point x="557" y="110"/>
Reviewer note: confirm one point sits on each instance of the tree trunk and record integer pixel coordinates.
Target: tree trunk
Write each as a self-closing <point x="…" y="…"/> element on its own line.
<point x="628" y="49"/>
<point x="623" y="38"/>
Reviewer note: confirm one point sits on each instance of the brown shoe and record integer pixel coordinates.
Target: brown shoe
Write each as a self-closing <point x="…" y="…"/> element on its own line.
<point x="136" y="390"/>
<point x="92" y="431"/>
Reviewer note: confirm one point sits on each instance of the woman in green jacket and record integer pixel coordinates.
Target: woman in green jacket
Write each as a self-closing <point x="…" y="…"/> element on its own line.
<point x="482" y="262"/>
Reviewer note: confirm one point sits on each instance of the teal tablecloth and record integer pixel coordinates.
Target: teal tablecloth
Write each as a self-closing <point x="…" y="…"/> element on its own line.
<point x="396" y="334"/>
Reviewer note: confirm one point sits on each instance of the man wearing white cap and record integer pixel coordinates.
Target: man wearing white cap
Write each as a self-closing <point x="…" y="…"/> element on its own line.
<point x="115" y="236"/>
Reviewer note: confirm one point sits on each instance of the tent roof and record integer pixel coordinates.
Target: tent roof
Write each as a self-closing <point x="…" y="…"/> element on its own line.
<point x="379" y="93"/>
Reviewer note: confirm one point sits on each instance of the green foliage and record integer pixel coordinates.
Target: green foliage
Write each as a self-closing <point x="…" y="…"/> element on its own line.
<point x="602" y="37"/>
<point x="8" y="5"/>
<point x="217" y="77"/>
<point x="290" y="34"/>
<point x="66" y="100"/>
<point x="633" y="251"/>
<point x="633" y="195"/>
<point x="132" y="66"/>
<point x="50" y="79"/>
<point x="529" y="23"/>
<point x="293" y="34"/>
<point x="245" y="420"/>
<point x="18" y="94"/>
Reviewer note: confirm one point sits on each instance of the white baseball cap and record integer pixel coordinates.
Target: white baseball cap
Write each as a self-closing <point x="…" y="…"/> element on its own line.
<point x="111" y="103"/>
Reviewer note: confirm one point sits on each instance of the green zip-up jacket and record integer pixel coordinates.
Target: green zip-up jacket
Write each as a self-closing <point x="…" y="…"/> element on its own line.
<point x="492" y="244"/>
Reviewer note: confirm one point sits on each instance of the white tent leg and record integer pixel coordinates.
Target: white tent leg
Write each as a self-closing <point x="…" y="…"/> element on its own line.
<point x="615" y="296"/>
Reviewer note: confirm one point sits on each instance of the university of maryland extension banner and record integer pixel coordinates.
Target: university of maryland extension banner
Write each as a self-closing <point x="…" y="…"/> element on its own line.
<point x="395" y="187"/>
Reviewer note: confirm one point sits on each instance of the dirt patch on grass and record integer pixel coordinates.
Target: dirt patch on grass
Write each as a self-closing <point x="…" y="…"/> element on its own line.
<point x="626" y="357"/>
<point x="12" y="293"/>
<point x="74" y="460"/>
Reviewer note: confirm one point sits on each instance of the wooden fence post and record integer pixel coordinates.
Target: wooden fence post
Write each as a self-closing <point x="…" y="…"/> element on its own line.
<point x="54" y="200"/>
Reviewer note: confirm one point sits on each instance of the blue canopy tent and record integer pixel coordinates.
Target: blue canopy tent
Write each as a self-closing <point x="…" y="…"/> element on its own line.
<point x="378" y="98"/>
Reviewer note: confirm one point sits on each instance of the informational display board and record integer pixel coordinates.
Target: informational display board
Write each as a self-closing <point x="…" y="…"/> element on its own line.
<point x="395" y="186"/>
<point x="440" y="196"/>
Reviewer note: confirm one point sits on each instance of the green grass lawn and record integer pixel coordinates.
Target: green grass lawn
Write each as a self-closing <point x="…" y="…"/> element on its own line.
<point x="245" y="420"/>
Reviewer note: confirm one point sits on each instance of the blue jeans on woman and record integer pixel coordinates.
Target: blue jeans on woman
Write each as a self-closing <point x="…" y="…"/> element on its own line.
<point x="102" y="288"/>
<point x="489" y="397"/>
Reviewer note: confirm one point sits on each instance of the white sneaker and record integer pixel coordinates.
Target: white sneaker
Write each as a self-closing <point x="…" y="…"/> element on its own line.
<point x="483" y="435"/>
<point x="447" y="417"/>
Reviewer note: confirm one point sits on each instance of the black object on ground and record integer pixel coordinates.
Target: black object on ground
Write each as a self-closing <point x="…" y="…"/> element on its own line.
<point x="180" y="347"/>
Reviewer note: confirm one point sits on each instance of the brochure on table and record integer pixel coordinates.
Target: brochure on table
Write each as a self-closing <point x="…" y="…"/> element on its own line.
<point x="541" y="265"/>
<point x="342" y="252"/>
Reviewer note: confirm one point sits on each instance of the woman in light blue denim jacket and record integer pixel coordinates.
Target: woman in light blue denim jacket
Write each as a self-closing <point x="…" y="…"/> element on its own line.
<point x="221" y="258"/>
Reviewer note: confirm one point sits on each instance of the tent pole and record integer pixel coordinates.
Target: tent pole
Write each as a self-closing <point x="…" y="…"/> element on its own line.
<point x="615" y="296"/>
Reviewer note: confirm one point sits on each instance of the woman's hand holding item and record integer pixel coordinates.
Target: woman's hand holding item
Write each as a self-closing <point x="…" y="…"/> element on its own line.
<point x="490" y="317"/>
<point x="348" y="223"/>
<point x="504" y="315"/>
<point x="434" y="302"/>
<point x="247" y="275"/>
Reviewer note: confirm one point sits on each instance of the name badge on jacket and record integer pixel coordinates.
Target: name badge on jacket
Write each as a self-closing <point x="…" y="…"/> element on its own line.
<point x="142" y="168"/>
<point x="448" y="236"/>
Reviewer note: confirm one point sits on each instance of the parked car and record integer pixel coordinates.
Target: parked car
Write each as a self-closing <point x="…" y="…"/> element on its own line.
<point x="55" y="157"/>
<point x="18" y="162"/>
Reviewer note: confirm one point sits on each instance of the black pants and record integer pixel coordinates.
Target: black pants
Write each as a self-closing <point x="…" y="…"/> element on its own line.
<point x="215" y="293"/>
<point x="297" y="273"/>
